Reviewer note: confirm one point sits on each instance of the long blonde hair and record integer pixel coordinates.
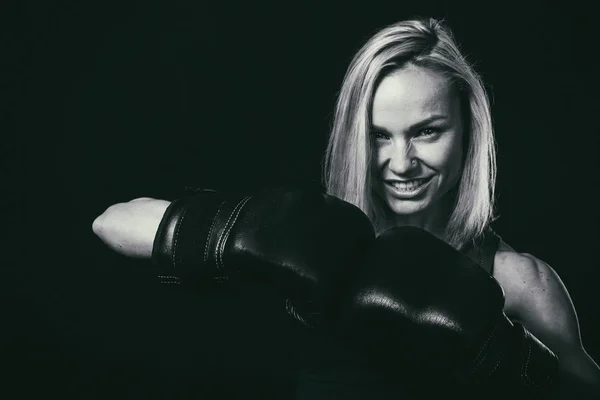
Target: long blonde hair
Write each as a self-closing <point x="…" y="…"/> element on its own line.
<point x="427" y="43"/>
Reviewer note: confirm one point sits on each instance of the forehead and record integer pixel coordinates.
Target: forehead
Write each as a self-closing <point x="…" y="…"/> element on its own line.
<point x="412" y="93"/>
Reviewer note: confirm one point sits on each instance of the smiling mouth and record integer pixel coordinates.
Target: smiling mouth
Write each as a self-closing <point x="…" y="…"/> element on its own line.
<point x="408" y="187"/>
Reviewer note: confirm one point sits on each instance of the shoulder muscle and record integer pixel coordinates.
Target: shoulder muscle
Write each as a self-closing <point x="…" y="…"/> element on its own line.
<point x="538" y="299"/>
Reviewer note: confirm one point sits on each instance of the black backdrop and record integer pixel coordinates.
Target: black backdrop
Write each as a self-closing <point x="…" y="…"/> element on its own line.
<point x="104" y="101"/>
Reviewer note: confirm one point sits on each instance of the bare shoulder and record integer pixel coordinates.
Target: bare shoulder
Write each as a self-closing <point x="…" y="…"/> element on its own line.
<point x="537" y="298"/>
<point x="535" y="295"/>
<point x="521" y="274"/>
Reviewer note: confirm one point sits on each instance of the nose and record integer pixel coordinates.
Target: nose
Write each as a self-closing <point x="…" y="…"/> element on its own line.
<point x="401" y="158"/>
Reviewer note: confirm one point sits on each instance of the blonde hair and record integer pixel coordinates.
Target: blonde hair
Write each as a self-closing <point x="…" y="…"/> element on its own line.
<point x="427" y="43"/>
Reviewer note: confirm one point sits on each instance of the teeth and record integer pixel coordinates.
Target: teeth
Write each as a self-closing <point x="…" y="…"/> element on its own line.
<point x="409" y="185"/>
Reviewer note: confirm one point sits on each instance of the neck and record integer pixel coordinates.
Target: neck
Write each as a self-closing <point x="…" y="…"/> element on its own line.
<point x="432" y="220"/>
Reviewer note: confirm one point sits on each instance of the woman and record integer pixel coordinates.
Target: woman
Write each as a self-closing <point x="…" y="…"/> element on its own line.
<point x="412" y="144"/>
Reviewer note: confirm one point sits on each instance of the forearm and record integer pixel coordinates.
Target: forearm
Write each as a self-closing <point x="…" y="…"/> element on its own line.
<point x="129" y="228"/>
<point x="579" y="377"/>
<point x="573" y="387"/>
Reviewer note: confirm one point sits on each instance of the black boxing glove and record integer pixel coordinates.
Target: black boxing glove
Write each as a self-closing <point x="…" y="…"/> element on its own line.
<point x="301" y="241"/>
<point x="419" y="300"/>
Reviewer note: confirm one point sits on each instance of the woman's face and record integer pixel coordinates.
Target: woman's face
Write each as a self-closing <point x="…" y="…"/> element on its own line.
<point x="417" y="131"/>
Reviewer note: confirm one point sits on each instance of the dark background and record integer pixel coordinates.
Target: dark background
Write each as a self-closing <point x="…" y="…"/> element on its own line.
<point x="104" y="101"/>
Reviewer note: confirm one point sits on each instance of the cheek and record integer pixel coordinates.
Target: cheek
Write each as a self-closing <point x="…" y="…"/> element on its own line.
<point x="445" y="156"/>
<point x="380" y="155"/>
<point x="454" y="160"/>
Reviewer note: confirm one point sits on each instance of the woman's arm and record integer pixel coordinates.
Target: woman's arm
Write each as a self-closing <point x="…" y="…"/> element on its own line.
<point x="545" y="308"/>
<point x="129" y="228"/>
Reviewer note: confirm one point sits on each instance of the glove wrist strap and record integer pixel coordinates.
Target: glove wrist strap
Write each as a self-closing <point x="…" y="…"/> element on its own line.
<point x="513" y="357"/>
<point x="180" y="249"/>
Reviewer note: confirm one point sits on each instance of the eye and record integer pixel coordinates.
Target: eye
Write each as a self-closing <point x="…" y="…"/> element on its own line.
<point x="429" y="131"/>
<point x="379" y="135"/>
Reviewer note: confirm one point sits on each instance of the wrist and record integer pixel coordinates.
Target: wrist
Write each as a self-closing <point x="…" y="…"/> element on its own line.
<point x="178" y="251"/>
<point x="510" y="356"/>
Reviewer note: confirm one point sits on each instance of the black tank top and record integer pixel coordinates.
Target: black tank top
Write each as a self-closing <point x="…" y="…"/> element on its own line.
<point x="483" y="249"/>
<point x="340" y="374"/>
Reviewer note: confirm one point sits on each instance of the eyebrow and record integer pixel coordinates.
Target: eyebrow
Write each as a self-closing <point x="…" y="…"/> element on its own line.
<point x="416" y="126"/>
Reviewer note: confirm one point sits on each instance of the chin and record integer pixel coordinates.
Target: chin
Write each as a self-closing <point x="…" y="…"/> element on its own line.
<point x="406" y="207"/>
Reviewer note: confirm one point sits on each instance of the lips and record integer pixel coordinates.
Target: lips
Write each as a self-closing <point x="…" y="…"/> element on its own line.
<point x="408" y="188"/>
<point x="408" y="185"/>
